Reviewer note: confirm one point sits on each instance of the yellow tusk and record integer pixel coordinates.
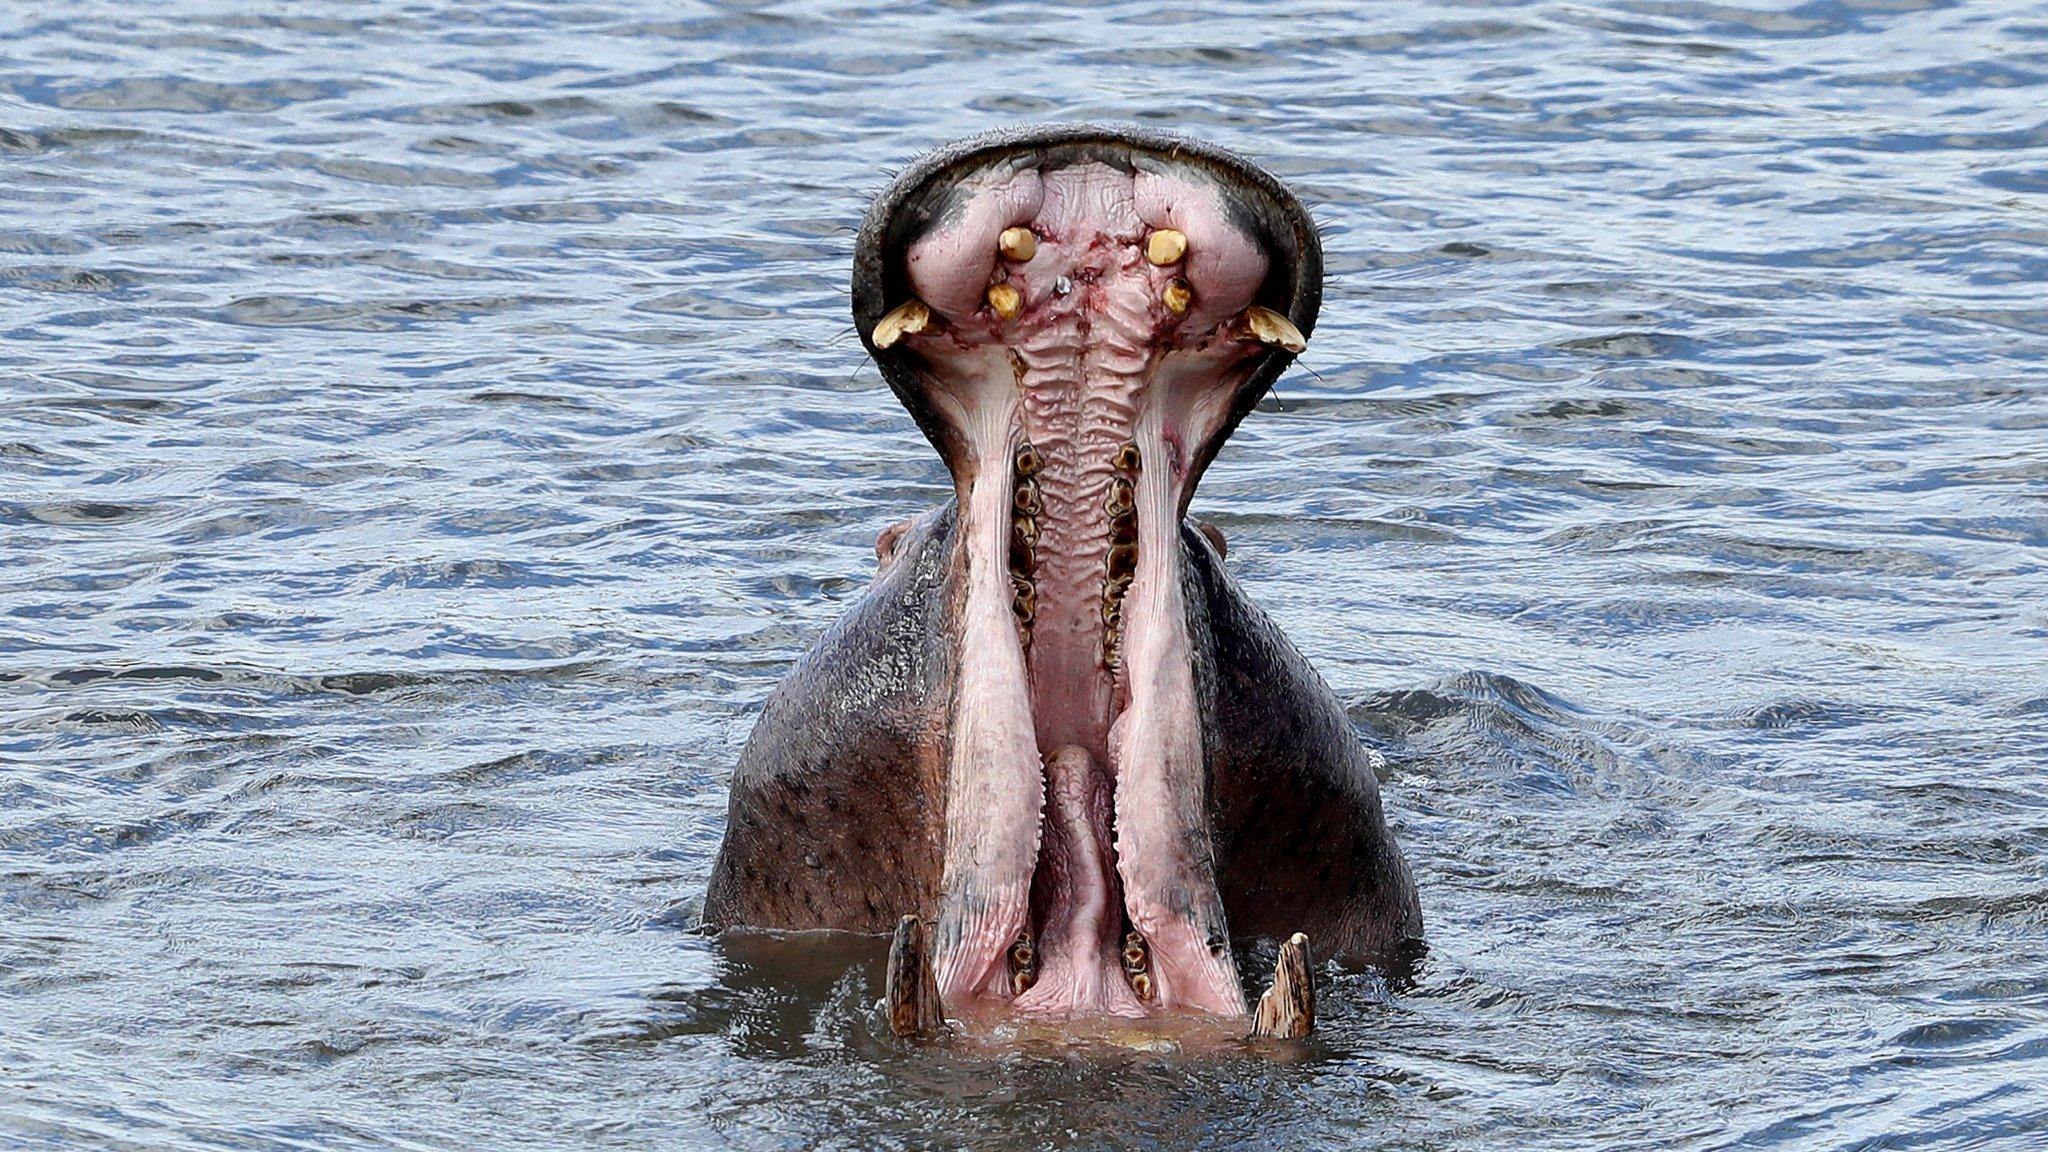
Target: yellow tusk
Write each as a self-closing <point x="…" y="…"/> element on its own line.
<point x="1006" y="300"/>
<point x="1166" y="246"/>
<point x="906" y="319"/>
<point x="1018" y="244"/>
<point x="1177" y="296"/>
<point x="1269" y="327"/>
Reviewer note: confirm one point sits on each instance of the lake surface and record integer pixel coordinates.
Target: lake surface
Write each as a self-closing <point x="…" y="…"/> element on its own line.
<point x="427" y="432"/>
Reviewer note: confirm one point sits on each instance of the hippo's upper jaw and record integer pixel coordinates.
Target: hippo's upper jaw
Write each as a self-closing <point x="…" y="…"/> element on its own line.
<point x="1077" y="317"/>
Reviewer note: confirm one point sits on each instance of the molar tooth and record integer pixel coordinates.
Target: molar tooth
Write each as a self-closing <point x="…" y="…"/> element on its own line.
<point x="1019" y="244"/>
<point x="1123" y="560"/>
<point x="1023" y="559"/>
<point x="1269" y="327"/>
<point x="1023" y="965"/>
<point x="1024" y="599"/>
<point x="1028" y="460"/>
<point x="1024" y="533"/>
<point x="1138" y="965"/>
<point x="1025" y="500"/>
<point x="1166" y="246"/>
<point x="1119" y="503"/>
<point x="1177" y="295"/>
<point x="1005" y="300"/>
<point x="906" y="319"/>
<point x="1126" y="458"/>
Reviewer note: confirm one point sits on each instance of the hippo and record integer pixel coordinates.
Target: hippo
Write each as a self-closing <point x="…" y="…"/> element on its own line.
<point x="1054" y="752"/>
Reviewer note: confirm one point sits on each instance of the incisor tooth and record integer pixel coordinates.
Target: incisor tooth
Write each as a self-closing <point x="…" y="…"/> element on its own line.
<point x="1177" y="296"/>
<point x="906" y="319"/>
<point x="1165" y="246"/>
<point x="1269" y="327"/>
<point x="1006" y="300"/>
<point x="1017" y="244"/>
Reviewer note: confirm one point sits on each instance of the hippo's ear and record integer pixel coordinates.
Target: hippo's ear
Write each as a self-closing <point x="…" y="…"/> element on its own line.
<point x="886" y="543"/>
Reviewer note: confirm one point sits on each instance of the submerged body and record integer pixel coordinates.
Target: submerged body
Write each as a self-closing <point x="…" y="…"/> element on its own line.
<point x="1055" y="728"/>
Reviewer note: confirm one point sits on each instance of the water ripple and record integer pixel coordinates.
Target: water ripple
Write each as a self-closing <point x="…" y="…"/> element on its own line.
<point x="430" y="430"/>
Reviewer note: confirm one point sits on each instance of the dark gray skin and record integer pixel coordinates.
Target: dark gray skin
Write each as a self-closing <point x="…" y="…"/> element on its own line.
<point x="838" y="801"/>
<point x="837" y="808"/>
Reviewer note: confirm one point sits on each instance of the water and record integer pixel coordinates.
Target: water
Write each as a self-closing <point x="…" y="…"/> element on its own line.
<point x="427" y="431"/>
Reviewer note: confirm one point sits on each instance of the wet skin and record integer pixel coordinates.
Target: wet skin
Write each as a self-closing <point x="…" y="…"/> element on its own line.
<point x="1055" y="728"/>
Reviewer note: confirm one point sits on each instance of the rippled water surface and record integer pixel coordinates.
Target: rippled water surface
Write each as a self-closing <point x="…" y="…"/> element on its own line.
<point x="428" y="430"/>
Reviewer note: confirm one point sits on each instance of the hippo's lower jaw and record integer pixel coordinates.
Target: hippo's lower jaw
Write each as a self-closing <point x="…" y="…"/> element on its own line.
<point x="1078" y="319"/>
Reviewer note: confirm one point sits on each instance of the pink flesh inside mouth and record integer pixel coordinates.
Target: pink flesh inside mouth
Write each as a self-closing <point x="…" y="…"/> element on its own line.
<point x="1087" y="334"/>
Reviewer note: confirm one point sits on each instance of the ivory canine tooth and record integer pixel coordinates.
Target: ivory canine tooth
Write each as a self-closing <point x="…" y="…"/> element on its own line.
<point x="1287" y="1010"/>
<point x="914" y="1008"/>
<point x="1005" y="300"/>
<point x="1166" y="246"/>
<point x="906" y="319"/>
<point x="1269" y="327"/>
<point x="1019" y="244"/>
<point x="1177" y="296"/>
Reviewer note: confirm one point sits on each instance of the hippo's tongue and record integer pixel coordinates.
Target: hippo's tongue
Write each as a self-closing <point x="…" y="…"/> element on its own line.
<point x="1079" y="324"/>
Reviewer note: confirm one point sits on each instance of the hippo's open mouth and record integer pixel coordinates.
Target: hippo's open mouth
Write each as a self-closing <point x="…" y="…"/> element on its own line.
<point x="1077" y="318"/>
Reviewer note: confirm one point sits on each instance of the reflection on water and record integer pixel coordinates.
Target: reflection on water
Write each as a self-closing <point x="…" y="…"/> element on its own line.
<point x="430" y="429"/>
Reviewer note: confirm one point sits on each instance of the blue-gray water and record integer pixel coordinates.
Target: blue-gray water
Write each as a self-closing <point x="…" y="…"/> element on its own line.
<point x="428" y="430"/>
